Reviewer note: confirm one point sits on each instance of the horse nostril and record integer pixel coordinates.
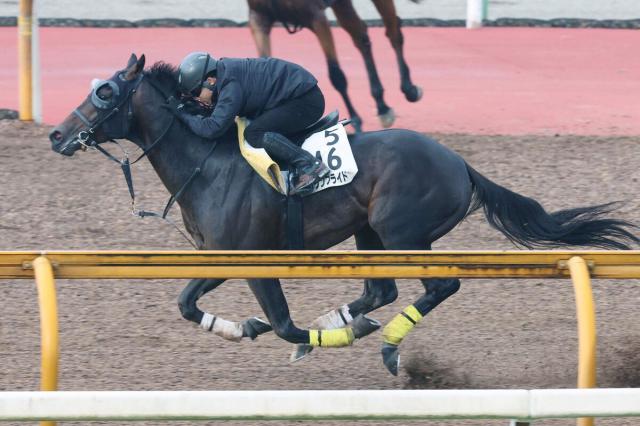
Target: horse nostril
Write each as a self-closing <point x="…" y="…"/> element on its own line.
<point x="55" y="136"/>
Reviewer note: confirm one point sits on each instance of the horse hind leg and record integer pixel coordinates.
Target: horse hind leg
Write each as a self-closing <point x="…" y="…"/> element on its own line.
<point x="436" y="291"/>
<point x="357" y="29"/>
<point x="393" y="23"/>
<point x="376" y="293"/>
<point x="230" y="330"/>
<point x="322" y="30"/>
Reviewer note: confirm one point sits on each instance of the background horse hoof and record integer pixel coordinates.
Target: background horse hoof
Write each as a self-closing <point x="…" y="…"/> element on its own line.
<point x="253" y="327"/>
<point x="391" y="358"/>
<point x="388" y="118"/>
<point x="413" y="94"/>
<point x="356" y="123"/>
<point x="300" y="351"/>
<point x="363" y="326"/>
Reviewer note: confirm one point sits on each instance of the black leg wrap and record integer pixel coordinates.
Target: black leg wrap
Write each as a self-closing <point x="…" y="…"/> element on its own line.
<point x="253" y="327"/>
<point x="391" y="358"/>
<point x="363" y="326"/>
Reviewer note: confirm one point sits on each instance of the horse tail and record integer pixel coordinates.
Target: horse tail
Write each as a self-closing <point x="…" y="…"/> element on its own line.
<point x="525" y="222"/>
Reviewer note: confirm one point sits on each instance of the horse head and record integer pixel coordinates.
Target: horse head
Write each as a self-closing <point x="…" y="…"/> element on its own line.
<point x="105" y="114"/>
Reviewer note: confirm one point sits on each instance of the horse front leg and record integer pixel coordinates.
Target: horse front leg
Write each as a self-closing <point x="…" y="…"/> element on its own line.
<point x="392" y="24"/>
<point x="269" y="294"/>
<point x="357" y="29"/>
<point x="320" y="27"/>
<point x="230" y="330"/>
<point x="376" y="294"/>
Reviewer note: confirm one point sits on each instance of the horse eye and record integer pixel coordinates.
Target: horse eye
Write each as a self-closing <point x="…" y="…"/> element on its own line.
<point x="104" y="93"/>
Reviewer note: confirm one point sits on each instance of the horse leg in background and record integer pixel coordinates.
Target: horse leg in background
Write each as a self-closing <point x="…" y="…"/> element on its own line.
<point x="436" y="291"/>
<point x="269" y="294"/>
<point x="357" y="29"/>
<point x="187" y="302"/>
<point x="392" y="24"/>
<point x="320" y="27"/>
<point x="261" y="30"/>
<point x="377" y="293"/>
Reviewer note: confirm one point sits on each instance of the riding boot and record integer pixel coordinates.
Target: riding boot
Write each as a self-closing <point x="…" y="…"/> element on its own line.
<point x="308" y="168"/>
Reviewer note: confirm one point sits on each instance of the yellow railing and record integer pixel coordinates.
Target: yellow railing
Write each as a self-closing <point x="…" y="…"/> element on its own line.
<point x="577" y="265"/>
<point x="24" y="59"/>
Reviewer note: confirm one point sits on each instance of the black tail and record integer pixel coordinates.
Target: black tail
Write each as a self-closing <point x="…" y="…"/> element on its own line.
<point x="525" y="222"/>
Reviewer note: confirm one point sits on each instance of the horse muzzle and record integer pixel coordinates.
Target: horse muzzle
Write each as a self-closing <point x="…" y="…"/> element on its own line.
<point x="64" y="146"/>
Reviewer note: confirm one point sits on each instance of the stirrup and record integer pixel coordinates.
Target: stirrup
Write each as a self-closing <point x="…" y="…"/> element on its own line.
<point x="305" y="181"/>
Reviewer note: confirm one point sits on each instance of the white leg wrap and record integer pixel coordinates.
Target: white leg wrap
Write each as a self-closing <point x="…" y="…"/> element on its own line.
<point x="226" y="329"/>
<point x="337" y="318"/>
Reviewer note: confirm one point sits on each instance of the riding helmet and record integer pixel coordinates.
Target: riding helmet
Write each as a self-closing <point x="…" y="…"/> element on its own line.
<point x="194" y="69"/>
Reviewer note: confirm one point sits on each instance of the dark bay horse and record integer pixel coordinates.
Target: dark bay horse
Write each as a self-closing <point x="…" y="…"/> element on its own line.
<point x="409" y="192"/>
<point x="296" y="14"/>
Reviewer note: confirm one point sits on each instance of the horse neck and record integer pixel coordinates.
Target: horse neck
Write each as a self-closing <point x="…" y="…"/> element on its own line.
<point x="177" y="155"/>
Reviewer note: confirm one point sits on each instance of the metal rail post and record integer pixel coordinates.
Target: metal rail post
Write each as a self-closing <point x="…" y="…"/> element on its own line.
<point x="24" y="59"/>
<point x="586" y="313"/>
<point x="45" y="282"/>
<point x="475" y="13"/>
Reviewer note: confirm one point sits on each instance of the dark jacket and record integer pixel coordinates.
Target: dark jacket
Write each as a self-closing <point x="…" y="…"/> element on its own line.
<point x="247" y="88"/>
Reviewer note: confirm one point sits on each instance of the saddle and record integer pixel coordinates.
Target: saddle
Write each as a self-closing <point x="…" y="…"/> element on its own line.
<point x="325" y="122"/>
<point x="274" y="173"/>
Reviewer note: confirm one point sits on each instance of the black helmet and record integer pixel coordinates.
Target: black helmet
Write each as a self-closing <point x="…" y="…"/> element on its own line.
<point x="194" y="69"/>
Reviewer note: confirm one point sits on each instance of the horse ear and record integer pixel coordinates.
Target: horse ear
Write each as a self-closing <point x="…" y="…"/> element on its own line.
<point x="134" y="67"/>
<point x="132" y="60"/>
<point x="140" y="63"/>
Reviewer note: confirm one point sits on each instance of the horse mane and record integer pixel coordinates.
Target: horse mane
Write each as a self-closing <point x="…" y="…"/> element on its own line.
<point x="164" y="73"/>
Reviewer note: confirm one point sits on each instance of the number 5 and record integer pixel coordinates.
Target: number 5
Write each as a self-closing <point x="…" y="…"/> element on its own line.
<point x="334" y="138"/>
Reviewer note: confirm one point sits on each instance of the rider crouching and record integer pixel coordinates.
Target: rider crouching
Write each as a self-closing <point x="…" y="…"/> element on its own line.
<point x="280" y="98"/>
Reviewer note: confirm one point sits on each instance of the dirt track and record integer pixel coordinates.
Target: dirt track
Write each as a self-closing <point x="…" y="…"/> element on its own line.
<point x="118" y="335"/>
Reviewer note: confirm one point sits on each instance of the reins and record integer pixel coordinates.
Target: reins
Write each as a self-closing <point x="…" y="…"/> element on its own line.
<point x="125" y="164"/>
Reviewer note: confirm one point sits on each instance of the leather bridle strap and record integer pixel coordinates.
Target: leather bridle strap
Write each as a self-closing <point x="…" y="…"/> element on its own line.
<point x="125" y="166"/>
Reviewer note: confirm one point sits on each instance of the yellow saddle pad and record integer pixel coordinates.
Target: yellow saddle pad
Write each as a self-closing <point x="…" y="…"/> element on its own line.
<point x="260" y="160"/>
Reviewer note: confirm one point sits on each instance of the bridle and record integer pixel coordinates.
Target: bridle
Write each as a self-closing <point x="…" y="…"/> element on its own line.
<point x="110" y="107"/>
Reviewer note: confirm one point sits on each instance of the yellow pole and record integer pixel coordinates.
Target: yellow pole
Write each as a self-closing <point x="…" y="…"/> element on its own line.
<point x="46" y="284"/>
<point x="24" y="60"/>
<point x="586" y="313"/>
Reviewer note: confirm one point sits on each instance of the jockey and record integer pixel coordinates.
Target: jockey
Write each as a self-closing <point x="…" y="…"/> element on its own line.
<point x="279" y="98"/>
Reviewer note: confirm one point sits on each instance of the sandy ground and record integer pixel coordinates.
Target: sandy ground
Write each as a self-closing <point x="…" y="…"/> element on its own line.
<point x="128" y="335"/>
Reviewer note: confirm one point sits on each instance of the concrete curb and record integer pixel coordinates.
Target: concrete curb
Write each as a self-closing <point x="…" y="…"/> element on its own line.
<point x="11" y="21"/>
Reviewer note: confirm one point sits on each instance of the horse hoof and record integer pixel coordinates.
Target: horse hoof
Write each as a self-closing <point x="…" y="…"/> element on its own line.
<point x="363" y="326"/>
<point x="414" y="94"/>
<point x="300" y="351"/>
<point x="356" y="123"/>
<point x="391" y="358"/>
<point x="388" y="118"/>
<point x="253" y="327"/>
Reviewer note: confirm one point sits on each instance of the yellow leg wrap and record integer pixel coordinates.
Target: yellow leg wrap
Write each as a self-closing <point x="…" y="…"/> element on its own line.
<point x="335" y="338"/>
<point x="401" y="325"/>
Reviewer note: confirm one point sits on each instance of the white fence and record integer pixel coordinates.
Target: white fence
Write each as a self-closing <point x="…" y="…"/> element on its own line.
<point x="315" y="405"/>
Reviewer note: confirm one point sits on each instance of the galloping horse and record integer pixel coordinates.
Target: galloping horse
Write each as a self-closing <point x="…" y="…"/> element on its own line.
<point x="296" y="14"/>
<point x="409" y="192"/>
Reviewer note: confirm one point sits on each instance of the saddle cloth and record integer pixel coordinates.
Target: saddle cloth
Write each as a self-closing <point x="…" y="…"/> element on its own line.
<point x="331" y="144"/>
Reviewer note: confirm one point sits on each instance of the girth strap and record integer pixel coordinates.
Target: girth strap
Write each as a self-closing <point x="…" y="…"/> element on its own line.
<point x="295" y="223"/>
